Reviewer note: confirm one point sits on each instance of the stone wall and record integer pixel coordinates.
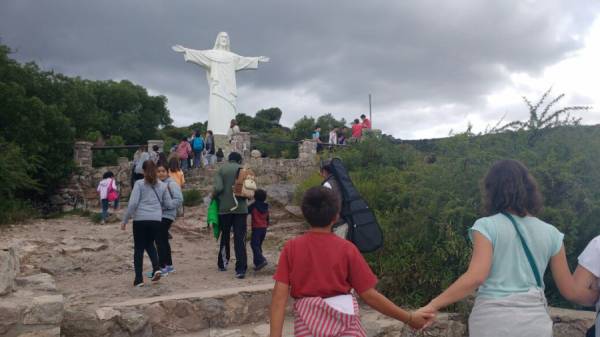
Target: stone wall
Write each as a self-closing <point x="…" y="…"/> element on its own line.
<point x="80" y="190"/>
<point x="29" y="306"/>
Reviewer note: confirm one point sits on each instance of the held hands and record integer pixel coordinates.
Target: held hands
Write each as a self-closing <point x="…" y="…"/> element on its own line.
<point x="263" y="59"/>
<point x="178" y="48"/>
<point x="421" y="319"/>
<point x="429" y="312"/>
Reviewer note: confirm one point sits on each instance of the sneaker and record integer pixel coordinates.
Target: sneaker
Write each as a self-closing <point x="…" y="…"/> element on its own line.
<point x="150" y="274"/>
<point x="240" y="275"/>
<point x="261" y="266"/>
<point x="156" y="276"/>
<point x="138" y="284"/>
<point x="165" y="271"/>
<point x="222" y="268"/>
<point x="169" y="269"/>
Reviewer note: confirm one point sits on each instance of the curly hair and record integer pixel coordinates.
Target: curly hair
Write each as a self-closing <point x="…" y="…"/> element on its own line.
<point x="508" y="186"/>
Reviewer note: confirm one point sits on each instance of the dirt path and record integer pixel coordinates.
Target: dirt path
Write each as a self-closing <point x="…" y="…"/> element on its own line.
<point x="93" y="264"/>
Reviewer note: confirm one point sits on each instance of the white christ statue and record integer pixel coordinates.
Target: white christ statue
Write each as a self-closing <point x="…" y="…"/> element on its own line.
<point x="220" y="64"/>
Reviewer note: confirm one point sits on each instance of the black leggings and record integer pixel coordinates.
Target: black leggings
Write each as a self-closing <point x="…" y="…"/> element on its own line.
<point x="144" y="235"/>
<point x="237" y="222"/>
<point x="162" y="244"/>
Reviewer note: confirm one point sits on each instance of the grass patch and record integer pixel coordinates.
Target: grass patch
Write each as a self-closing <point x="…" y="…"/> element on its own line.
<point x="192" y="198"/>
<point x="16" y="210"/>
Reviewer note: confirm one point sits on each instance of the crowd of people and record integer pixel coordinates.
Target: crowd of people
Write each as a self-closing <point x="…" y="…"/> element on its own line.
<point x="341" y="135"/>
<point x="197" y="151"/>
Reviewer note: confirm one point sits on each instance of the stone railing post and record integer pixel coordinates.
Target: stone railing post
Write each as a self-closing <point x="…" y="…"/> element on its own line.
<point x="82" y="154"/>
<point x="307" y="150"/>
<point x="240" y="143"/>
<point x="159" y="142"/>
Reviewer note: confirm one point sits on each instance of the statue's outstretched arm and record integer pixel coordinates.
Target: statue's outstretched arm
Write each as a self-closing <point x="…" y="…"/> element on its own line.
<point x="178" y="48"/>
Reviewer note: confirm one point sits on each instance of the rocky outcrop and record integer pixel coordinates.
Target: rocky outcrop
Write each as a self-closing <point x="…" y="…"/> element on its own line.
<point x="9" y="267"/>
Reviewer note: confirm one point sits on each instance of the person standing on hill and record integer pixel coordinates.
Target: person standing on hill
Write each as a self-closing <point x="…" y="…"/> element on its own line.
<point x="511" y="250"/>
<point x="140" y="156"/>
<point x="107" y="188"/>
<point x="148" y="197"/>
<point x="175" y="172"/>
<point x="210" y="148"/>
<point x="154" y="154"/>
<point x="197" y="147"/>
<point x="183" y="151"/>
<point x="233" y="129"/>
<point x="340" y="227"/>
<point x="356" y="131"/>
<point x="231" y="216"/>
<point x="366" y="123"/>
<point x="259" y="214"/>
<point x="165" y="260"/>
<point x="333" y="138"/>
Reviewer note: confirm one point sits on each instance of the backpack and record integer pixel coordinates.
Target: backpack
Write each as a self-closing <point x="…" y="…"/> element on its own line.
<point x="198" y="144"/>
<point x="245" y="183"/>
<point x="363" y="228"/>
<point x="111" y="194"/>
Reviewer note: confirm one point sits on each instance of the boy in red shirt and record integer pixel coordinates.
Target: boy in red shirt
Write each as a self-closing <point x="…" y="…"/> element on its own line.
<point x="319" y="270"/>
<point x="259" y="212"/>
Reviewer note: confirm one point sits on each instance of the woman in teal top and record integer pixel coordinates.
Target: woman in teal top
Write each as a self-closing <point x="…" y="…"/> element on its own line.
<point x="511" y="250"/>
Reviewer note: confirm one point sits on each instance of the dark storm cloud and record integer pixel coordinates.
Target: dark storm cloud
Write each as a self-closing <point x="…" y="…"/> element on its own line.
<point x="419" y="52"/>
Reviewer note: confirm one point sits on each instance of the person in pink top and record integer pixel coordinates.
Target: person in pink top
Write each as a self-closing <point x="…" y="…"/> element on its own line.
<point x="356" y="130"/>
<point x="366" y="123"/>
<point x="184" y="149"/>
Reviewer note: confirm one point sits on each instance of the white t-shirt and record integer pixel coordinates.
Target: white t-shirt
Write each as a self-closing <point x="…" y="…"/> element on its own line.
<point x="590" y="259"/>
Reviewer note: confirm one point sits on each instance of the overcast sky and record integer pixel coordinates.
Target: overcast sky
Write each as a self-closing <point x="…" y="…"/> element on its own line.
<point x="431" y="66"/>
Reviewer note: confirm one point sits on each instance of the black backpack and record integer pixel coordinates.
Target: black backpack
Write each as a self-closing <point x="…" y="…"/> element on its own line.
<point x="363" y="228"/>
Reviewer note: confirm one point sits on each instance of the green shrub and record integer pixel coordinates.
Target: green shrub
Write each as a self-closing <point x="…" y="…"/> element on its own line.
<point x="314" y="180"/>
<point x="16" y="210"/>
<point x="192" y="197"/>
<point x="426" y="196"/>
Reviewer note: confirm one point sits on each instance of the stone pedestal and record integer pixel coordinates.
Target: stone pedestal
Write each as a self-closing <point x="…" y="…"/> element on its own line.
<point x="307" y="151"/>
<point x="82" y="154"/>
<point x="159" y="142"/>
<point x="222" y="142"/>
<point x="240" y="143"/>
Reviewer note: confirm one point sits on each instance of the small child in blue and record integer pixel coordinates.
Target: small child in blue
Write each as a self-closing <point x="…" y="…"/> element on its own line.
<point x="259" y="211"/>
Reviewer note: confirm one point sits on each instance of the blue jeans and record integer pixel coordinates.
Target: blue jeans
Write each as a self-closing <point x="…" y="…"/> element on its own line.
<point x="258" y="236"/>
<point x="106" y="205"/>
<point x="197" y="159"/>
<point x="184" y="164"/>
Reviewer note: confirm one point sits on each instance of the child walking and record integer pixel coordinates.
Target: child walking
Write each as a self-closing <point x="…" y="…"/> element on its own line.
<point x="165" y="261"/>
<point x="107" y="188"/>
<point x="259" y="213"/>
<point x="319" y="270"/>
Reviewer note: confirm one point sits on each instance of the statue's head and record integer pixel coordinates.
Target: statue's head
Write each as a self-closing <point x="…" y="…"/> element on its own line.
<point x="222" y="41"/>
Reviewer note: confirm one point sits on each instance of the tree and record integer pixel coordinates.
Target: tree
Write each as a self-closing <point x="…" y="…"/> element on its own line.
<point x="540" y="119"/>
<point x="303" y="128"/>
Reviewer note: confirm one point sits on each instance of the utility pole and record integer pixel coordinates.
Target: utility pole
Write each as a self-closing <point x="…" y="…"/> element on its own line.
<point x="370" y="116"/>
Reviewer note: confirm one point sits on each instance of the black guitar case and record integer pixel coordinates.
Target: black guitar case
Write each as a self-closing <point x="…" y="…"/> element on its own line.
<point x="363" y="228"/>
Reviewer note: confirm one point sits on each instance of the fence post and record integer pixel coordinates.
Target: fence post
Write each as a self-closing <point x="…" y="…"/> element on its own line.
<point x="159" y="142"/>
<point x="307" y="150"/>
<point x="82" y="154"/>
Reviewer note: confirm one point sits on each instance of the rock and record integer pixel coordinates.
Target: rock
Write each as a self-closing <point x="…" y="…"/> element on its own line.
<point x="255" y="154"/>
<point x="58" y="265"/>
<point x="50" y="332"/>
<point x="294" y="210"/>
<point x="95" y="246"/>
<point x="9" y="267"/>
<point x="43" y="282"/>
<point x="226" y="333"/>
<point x="107" y="313"/>
<point x="70" y="249"/>
<point x="262" y="330"/>
<point x="47" y="309"/>
<point x="281" y="194"/>
<point x="133" y="321"/>
<point x="10" y="313"/>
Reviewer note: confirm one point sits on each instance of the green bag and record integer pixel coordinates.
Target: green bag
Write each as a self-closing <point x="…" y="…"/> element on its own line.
<point x="212" y="217"/>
